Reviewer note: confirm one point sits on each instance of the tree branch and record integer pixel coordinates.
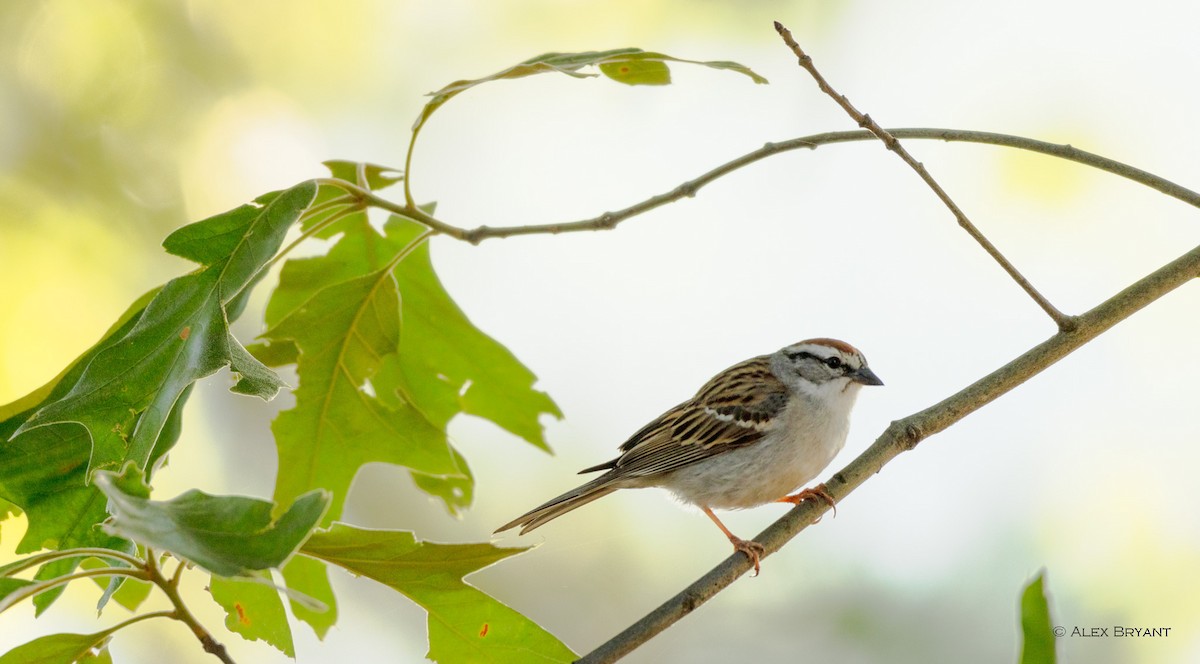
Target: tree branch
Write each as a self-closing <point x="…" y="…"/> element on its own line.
<point x="609" y="220"/>
<point x="903" y="435"/>
<point x="1063" y="321"/>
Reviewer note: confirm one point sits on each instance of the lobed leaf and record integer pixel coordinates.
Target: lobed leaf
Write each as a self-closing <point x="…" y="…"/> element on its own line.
<point x="465" y="624"/>
<point x="338" y="425"/>
<point x="128" y="388"/>
<point x="373" y="176"/>
<point x="122" y="399"/>
<point x="226" y="535"/>
<point x="372" y="391"/>
<point x="310" y="577"/>
<point x="446" y="365"/>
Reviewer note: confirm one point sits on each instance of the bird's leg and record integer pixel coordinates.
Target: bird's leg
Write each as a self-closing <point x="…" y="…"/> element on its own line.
<point x="752" y="549"/>
<point x="819" y="492"/>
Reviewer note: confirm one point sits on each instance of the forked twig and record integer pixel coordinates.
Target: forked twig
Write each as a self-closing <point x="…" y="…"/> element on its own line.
<point x="1064" y="322"/>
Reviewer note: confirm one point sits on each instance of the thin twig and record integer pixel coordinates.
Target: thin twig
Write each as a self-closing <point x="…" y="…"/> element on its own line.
<point x="25" y="592"/>
<point x="609" y="220"/>
<point x="181" y="612"/>
<point x="83" y="552"/>
<point x="903" y="435"/>
<point x="1063" y="321"/>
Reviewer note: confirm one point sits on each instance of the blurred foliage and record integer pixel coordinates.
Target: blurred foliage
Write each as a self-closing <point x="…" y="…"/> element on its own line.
<point x="1038" y="639"/>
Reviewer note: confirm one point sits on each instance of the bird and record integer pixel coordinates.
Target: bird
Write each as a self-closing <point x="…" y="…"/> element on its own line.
<point x="752" y="435"/>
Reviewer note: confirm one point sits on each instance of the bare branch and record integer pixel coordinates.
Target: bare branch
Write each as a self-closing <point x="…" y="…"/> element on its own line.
<point x="1063" y="321"/>
<point x="903" y="435"/>
<point x="609" y="220"/>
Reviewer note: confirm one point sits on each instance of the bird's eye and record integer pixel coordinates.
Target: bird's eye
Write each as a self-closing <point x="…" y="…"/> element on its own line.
<point x="833" y="363"/>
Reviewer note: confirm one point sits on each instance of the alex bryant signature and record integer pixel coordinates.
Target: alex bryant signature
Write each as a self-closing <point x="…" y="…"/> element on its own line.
<point x="1116" y="631"/>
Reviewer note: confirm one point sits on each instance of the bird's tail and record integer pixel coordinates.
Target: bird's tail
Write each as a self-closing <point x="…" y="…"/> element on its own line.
<point x="560" y="505"/>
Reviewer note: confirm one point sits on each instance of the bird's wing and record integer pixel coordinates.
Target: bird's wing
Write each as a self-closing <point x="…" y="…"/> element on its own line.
<point x="734" y="409"/>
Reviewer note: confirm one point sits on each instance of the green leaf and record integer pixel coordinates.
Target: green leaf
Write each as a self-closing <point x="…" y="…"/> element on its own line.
<point x="9" y="585"/>
<point x="456" y="493"/>
<point x="226" y="535"/>
<point x="275" y="354"/>
<point x="631" y="66"/>
<point x="101" y="656"/>
<point x="14" y="414"/>
<point x="129" y="593"/>
<point x="465" y="624"/>
<point x="420" y="376"/>
<point x="128" y="388"/>
<point x="7" y="510"/>
<point x="375" y="176"/>
<point x="446" y="365"/>
<point x="1038" y="637"/>
<point x="310" y="577"/>
<point x="638" y="72"/>
<point x="337" y="424"/>
<point x="44" y="471"/>
<point x="60" y="649"/>
<point x="253" y="609"/>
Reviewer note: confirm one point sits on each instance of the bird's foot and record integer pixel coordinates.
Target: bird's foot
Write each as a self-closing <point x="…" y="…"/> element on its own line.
<point x="819" y="492"/>
<point x="753" y="550"/>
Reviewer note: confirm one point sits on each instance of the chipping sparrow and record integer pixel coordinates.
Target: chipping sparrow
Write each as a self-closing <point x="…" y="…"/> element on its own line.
<point x="754" y="433"/>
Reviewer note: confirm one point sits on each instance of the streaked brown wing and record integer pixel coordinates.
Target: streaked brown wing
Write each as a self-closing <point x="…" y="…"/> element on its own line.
<point x="734" y="409"/>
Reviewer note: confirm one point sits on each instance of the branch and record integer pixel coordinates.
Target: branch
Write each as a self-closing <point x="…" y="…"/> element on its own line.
<point x="903" y="435"/>
<point x="27" y="591"/>
<point x="1063" y="321"/>
<point x="688" y="189"/>
<point x="170" y="588"/>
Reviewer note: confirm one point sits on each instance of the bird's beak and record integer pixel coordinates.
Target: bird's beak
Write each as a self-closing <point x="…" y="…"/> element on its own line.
<point x="866" y="377"/>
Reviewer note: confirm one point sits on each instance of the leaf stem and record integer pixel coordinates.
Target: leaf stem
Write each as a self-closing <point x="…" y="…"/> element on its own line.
<point x="139" y="618"/>
<point x="83" y="552"/>
<point x="181" y="612"/>
<point x="25" y="592"/>
<point x="347" y="206"/>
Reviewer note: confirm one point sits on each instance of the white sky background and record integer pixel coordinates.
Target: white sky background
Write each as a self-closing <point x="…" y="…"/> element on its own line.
<point x="1087" y="470"/>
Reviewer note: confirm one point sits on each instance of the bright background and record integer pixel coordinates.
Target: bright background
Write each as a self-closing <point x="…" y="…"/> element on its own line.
<point x="122" y="120"/>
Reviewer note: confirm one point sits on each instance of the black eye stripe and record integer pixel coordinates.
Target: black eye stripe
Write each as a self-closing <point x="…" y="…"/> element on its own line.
<point x="834" y="362"/>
